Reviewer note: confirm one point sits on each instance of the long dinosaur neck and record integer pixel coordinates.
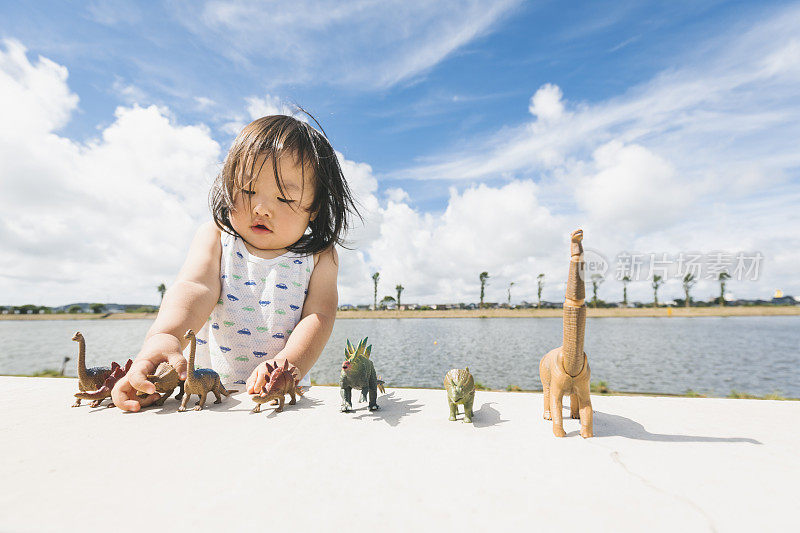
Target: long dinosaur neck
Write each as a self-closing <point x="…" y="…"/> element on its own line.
<point x="193" y="346"/>
<point x="574" y="314"/>
<point x="82" y="373"/>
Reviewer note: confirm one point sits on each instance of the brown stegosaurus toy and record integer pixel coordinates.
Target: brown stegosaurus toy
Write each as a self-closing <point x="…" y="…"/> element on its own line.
<point x="166" y="380"/>
<point x="281" y="381"/>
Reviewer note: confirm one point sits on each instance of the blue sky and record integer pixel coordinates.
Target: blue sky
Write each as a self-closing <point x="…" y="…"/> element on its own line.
<point x="428" y="102"/>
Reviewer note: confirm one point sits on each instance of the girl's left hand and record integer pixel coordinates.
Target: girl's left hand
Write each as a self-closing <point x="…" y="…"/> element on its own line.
<point x="258" y="378"/>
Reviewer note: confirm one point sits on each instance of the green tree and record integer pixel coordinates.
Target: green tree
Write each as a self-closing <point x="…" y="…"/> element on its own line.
<point x="399" y="288"/>
<point x="386" y="300"/>
<point x="540" y="287"/>
<point x="509" y="292"/>
<point x="74" y="309"/>
<point x="98" y="308"/>
<point x="483" y="277"/>
<point x="625" y="282"/>
<point x="722" y="277"/>
<point x="375" y="278"/>
<point x="161" y="289"/>
<point x="658" y="281"/>
<point x="688" y="282"/>
<point x="597" y="280"/>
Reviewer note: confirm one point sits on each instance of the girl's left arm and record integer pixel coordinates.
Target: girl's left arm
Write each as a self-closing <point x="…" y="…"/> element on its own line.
<point x="305" y="344"/>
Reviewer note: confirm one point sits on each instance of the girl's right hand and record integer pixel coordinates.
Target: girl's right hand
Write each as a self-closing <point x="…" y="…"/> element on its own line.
<point x="157" y="349"/>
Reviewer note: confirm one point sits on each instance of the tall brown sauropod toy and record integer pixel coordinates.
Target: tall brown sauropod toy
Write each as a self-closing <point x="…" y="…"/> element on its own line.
<point x="565" y="370"/>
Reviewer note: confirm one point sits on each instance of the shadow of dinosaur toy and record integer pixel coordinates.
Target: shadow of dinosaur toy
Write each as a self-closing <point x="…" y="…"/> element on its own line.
<point x="280" y="382"/>
<point x="565" y="370"/>
<point x="200" y="381"/>
<point x="89" y="379"/>
<point x="103" y="392"/>
<point x="358" y="372"/>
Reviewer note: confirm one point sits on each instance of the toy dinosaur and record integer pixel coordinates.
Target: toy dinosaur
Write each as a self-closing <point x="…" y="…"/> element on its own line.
<point x="565" y="370"/>
<point x="281" y="381"/>
<point x="460" y="390"/>
<point x="166" y="380"/>
<point x="358" y="372"/>
<point x="200" y="381"/>
<point x="89" y="379"/>
<point x="103" y="392"/>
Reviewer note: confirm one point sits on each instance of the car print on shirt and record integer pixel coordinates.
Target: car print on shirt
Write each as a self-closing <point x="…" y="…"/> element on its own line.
<point x="294" y="307"/>
<point x="247" y="309"/>
<point x="278" y="336"/>
<point x="215" y="325"/>
<point x="228" y="323"/>
<point x="243" y="331"/>
<point x="200" y="341"/>
<point x="239" y="255"/>
<point x="251" y="282"/>
<point x="242" y="358"/>
<point x="259" y="354"/>
<point x="297" y="262"/>
<point x="240" y="382"/>
<point x="262" y="328"/>
<point x="280" y="312"/>
<point x="225" y="349"/>
<point x="282" y="286"/>
<point x="232" y="298"/>
<point x="264" y="303"/>
<point x="235" y="276"/>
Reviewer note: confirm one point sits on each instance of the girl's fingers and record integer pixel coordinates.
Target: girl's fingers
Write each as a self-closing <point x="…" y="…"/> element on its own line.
<point x="137" y="376"/>
<point x="179" y="363"/>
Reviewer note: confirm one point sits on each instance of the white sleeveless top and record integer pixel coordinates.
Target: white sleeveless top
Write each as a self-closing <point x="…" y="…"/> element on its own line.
<point x="259" y="305"/>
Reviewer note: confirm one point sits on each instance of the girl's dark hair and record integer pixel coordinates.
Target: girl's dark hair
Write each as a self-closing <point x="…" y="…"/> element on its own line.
<point x="271" y="137"/>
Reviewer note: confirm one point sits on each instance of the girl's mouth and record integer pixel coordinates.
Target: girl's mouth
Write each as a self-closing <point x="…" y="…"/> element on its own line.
<point x="260" y="228"/>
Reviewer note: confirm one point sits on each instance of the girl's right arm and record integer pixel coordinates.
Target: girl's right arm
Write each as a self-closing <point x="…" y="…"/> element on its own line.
<point x="186" y="305"/>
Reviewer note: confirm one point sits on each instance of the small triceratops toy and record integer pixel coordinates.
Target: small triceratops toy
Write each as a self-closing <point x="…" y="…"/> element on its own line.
<point x="166" y="380"/>
<point x="358" y="372"/>
<point x="460" y="390"/>
<point x="281" y="381"/>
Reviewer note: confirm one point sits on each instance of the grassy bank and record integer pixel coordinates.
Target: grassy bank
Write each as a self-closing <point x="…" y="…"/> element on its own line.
<point x="764" y="310"/>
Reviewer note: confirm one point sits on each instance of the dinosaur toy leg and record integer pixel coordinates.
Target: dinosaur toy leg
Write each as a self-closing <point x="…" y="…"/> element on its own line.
<point x="468" y="409"/>
<point x="95" y="403"/>
<point x="574" y="406"/>
<point x="202" y="402"/>
<point x="556" y="405"/>
<point x="347" y="403"/>
<point x="453" y="409"/>
<point x="293" y="400"/>
<point x="364" y="392"/>
<point x="281" y="401"/>
<point x="585" y="412"/>
<point x="185" y="401"/>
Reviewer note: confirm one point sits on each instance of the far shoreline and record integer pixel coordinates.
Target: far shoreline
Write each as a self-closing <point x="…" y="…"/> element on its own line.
<point x="615" y="312"/>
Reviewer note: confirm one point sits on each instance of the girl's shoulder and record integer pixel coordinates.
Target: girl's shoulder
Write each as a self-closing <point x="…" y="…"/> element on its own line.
<point x="328" y="253"/>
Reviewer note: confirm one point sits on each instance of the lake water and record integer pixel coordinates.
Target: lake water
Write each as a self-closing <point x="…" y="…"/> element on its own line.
<point x="713" y="355"/>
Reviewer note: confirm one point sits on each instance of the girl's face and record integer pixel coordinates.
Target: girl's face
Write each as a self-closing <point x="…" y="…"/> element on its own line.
<point x="267" y="220"/>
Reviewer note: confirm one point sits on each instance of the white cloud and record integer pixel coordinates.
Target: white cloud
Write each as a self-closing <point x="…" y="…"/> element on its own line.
<point x="104" y="219"/>
<point x="546" y="104"/>
<point x="324" y="41"/>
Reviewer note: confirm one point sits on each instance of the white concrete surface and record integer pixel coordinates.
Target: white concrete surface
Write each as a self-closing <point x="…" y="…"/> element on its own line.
<point x="655" y="464"/>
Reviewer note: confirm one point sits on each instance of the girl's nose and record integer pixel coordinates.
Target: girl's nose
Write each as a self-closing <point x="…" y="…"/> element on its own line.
<point x="260" y="209"/>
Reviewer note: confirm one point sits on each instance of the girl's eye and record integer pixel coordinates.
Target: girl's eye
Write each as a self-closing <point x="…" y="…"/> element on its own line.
<point x="284" y="200"/>
<point x="248" y="192"/>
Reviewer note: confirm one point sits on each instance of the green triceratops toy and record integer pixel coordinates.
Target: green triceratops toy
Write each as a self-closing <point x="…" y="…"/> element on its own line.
<point x="460" y="390"/>
<point x="358" y="372"/>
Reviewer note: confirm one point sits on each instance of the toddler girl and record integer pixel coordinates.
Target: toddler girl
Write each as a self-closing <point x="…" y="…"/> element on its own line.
<point x="259" y="283"/>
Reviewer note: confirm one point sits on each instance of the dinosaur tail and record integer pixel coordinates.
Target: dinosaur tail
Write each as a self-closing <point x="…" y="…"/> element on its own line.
<point x="574" y="310"/>
<point x="99" y="394"/>
<point x="380" y="386"/>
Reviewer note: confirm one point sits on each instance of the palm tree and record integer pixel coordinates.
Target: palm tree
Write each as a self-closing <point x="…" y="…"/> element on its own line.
<point x="625" y="282"/>
<point x="399" y="289"/>
<point x="597" y="279"/>
<point x="509" y="292"/>
<point x="375" y="277"/>
<point x="483" y="277"/>
<point x="721" y="277"/>
<point x="161" y="289"/>
<point x="540" y="283"/>
<point x="657" y="282"/>
<point x="688" y="282"/>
